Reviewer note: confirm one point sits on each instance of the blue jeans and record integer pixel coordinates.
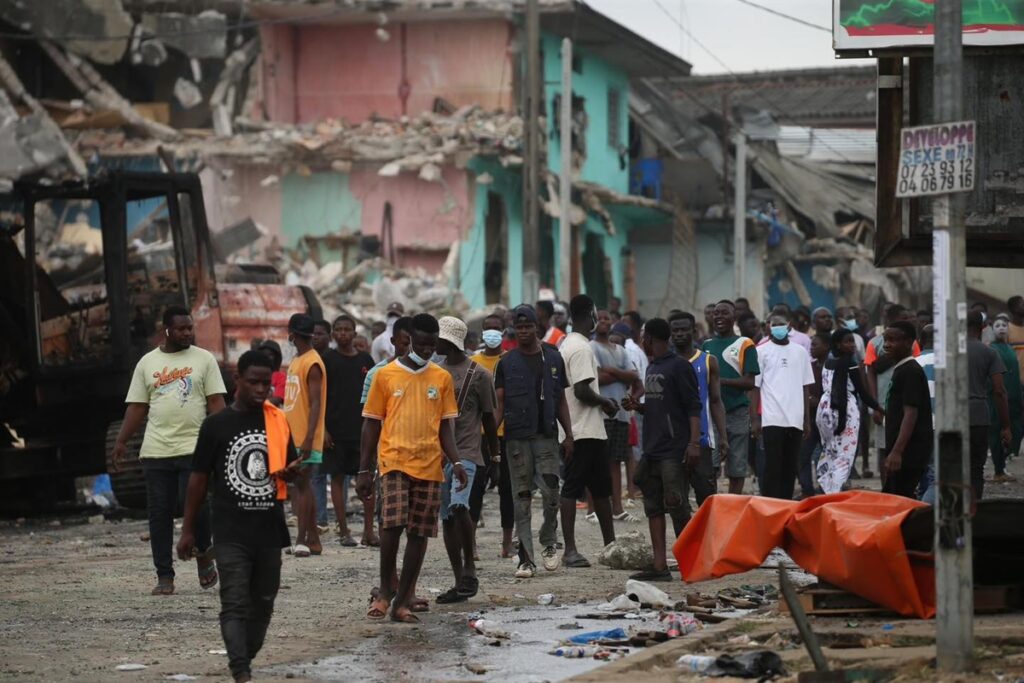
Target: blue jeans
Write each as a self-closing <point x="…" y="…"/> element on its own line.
<point x="450" y="497"/>
<point x="319" y="483"/>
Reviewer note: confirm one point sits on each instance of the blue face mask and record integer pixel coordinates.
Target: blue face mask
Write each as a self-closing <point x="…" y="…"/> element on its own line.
<point x="417" y="360"/>
<point x="780" y="332"/>
<point x="492" y="338"/>
<point x="851" y="325"/>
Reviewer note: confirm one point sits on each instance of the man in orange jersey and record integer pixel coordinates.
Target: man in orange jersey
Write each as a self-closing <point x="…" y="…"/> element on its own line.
<point x="407" y="434"/>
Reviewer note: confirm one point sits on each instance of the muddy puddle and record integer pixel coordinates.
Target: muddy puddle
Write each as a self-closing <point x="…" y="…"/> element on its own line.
<point x="444" y="648"/>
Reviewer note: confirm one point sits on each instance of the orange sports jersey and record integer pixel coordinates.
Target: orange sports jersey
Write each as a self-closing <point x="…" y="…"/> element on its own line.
<point x="871" y="353"/>
<point x="410" y="405"/>
<point x="296" y="398"/>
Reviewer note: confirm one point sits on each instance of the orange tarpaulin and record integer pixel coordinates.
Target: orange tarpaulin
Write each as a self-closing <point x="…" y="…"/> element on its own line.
<point x="850" y="539"/>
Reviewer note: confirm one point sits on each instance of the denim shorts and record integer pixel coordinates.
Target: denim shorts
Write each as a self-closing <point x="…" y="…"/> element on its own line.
<point x="450" y="498"/>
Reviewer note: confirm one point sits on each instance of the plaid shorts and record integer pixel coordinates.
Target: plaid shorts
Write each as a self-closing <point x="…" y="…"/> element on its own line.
<point x="409" y="502"/>
<point x="618" y="440"/>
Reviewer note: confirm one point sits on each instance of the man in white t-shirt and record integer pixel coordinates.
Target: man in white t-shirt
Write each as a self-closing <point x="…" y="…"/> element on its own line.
<point x="588" y="468"/>
<point x="784" y="396"/>
<point x="381" y="348"/>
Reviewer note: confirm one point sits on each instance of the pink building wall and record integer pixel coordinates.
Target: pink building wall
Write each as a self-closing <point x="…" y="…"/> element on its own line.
<point x="347" y="72"/>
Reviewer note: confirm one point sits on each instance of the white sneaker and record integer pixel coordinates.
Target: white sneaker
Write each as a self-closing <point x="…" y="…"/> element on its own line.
<point x="625" y="517"/>
<point x="526" y="570"/>
<point x="592" y="517"/>
<point x="551" y="559"/>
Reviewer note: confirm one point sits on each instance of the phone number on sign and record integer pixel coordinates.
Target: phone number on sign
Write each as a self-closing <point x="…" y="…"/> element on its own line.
<point x="936" y="177"/>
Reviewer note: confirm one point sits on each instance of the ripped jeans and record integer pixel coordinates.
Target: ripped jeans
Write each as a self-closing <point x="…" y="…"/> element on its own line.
<point x="534" y="463"/>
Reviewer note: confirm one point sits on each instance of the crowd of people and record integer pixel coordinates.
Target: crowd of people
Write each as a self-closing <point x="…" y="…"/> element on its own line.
<point x="586" y="409"/>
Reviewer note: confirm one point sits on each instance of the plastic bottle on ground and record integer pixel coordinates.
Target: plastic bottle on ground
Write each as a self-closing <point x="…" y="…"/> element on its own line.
<point x="696" y="663"/>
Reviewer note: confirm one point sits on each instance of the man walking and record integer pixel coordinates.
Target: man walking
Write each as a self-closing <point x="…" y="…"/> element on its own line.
<point x="985" y="370"/>
<point x="248" y="453"/>
<point x="784" y="388"/>
<point x="879" y="371"/>
<point x="530" y="381"/>
<point x="174" y="386"/>
<point x="908" y="416"/>
<point x="616" y="379"/>
<point x="408" y="431"/>
<point x="587" y="468"/>
<point x="346" y="371"/>
<point x="381" y="348"/>
<point x="475" y="400"/>
<point x="304" y="402"/>
<point x="671" y="441"/>
<point x="683" y="327"/>
<point x="737" y="365"/>
<point x="318" y="478"/>
<point x="1011" y="380"/>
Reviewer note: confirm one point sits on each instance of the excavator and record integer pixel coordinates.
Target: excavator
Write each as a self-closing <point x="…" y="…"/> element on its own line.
<point x="86" y="270"/>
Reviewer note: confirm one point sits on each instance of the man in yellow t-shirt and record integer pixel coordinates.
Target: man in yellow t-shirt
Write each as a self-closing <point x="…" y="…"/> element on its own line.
<point x="305" y="402"/>
<point x="409" y="428"/>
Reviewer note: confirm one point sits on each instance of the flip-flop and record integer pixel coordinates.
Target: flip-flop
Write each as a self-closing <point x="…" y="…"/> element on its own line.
<point x="375" y="543"/>
<point x="420" y="605"/>
<point x="450" y="596"/>
<point x="468" y="587"/>
<point x="301" y="550"/>
<point x="347" y="541"/>
<point x="576" y="561"/>
<point x="164" y="586"/>
<point x="317" y="549"/>
<point x="652" y="575"/>
<point x="375" y="612"/>
<point x="207" y="575"/>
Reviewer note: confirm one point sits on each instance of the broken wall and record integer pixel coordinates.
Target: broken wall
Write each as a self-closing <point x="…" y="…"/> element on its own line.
<point x="348" y="72"/>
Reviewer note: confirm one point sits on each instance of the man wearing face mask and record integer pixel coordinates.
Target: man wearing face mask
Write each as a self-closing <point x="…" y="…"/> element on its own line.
<point x="493" y="332"/>
<point x="846" y="318"/>
<point x="1015" y="403"/>
<point x="784" y="386"/>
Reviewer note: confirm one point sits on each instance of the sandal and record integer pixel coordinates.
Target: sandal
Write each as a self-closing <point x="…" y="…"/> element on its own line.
<point x="575" y="561"/>
<point x="301" y="550"/>
<point x="652" y="575"/>
<point x="420" y="605"/>
<point x="379" y="607"/>
<point x="450" y="596"/>
<point x="468" y="587"/>
<point x="164" y="586"/>
<point x="372" y="542"/>
<point x="404" y="615"/>
<point x="207" y="574"/>
<point x="347" y="541"/>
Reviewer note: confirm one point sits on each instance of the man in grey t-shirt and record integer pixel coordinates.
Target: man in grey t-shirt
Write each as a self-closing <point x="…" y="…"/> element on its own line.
<point x="985" y="383"/>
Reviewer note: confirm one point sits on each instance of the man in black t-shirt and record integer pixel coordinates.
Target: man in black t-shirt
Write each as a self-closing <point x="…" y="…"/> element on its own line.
<point x="346" y="372"/>
<point x="249" y="528"/>
<point x="908" y="414"/>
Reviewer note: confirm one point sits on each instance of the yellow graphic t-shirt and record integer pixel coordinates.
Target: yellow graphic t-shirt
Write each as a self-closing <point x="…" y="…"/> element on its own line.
<point x="410" y="405"/>
<point x="296" y="398"/>
<point x="175" y="386"/>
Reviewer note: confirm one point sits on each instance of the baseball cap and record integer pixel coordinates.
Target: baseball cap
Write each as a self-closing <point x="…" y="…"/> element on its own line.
<point x="453" y="330"/>
<point x="301" y="324"/>
<point x="525" y="311"/>
<point x="623" y="329"/>
<point x="395" y="310"/>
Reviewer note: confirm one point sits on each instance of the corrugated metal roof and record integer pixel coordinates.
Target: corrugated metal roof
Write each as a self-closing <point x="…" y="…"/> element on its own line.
<point x="845" y="145"/>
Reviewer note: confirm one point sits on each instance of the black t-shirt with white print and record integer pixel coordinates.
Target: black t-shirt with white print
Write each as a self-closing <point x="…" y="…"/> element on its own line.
<point x="232" y="449"/>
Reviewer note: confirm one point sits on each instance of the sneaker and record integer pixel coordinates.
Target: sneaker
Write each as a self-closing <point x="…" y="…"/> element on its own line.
<point x="625" y="517"/>
<point x="526" y="570"/>
<point x="550" y="558"/>
<point x="592" y="517"/>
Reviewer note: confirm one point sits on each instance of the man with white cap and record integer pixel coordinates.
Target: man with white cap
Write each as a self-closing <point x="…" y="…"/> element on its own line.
<point x="381" y="348"/>
<point x="475" y="397"/>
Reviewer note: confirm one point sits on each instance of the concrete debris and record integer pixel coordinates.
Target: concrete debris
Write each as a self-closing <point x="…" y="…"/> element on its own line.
<point x="235" y="237"/>
<point x="187" y="93"/>
<point x="430" y="172"/>
<point x="104" y="25"/>
<point x="28" y="144"/>
<point x="628" y="551"/>
<point x="200" y="36"/>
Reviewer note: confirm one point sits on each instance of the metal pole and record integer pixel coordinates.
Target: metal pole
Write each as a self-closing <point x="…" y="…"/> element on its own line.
<point x="567" y="286"/>
<point x="531" y="167"/>
<point x="954" y="621"/>
<point x="740" y="215"/>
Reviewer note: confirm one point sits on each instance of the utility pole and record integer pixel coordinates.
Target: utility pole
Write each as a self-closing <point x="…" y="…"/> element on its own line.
<point x="565" y="255"/>
<point x="532" y="162"/>
<point x="954" y="578"/>
<point x="739" y="225"/>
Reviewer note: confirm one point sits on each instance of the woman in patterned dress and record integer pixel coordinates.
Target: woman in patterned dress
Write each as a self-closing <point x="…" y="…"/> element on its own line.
<point x="838" y="416"/>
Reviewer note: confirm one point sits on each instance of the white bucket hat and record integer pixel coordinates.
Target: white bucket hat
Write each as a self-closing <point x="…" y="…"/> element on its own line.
<point x="454" y="331"/>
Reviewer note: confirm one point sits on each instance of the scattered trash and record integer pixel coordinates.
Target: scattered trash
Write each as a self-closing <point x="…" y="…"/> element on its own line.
<point x="580" y="652"/>
<point x="620" y="603"/>
<point x="474" y="668"/>
<point x="130" y="667"/>
<point x="591" y="636"/>
<point x="631" y="550"/>
<point x="695" y="663"/>
<point x="546" y="599"/>
<point x="646" y="594"/>
<point x="749" y="596"/>
<point x="887" y="627"/>
<point x="742" y="639"/>
<point x="217" y="652"/>
<point x="179" y="677"/>
<point x="852" y="624"/>
<point x="779" y="642"/>
<point x="574" y="626"/>
<point x="680" y="624"/>
<point x="489" y="628"/>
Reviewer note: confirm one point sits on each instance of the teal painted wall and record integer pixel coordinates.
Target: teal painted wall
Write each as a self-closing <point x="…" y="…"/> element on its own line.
<point x="317" y="204"/>
<point x="473" y="252"/>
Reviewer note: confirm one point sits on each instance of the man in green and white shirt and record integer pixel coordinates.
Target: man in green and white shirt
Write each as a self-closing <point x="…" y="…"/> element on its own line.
<point x="174" y="387"/>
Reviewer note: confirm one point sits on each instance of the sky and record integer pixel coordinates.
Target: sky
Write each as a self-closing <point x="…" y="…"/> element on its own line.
<point x="740" y="36"/>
